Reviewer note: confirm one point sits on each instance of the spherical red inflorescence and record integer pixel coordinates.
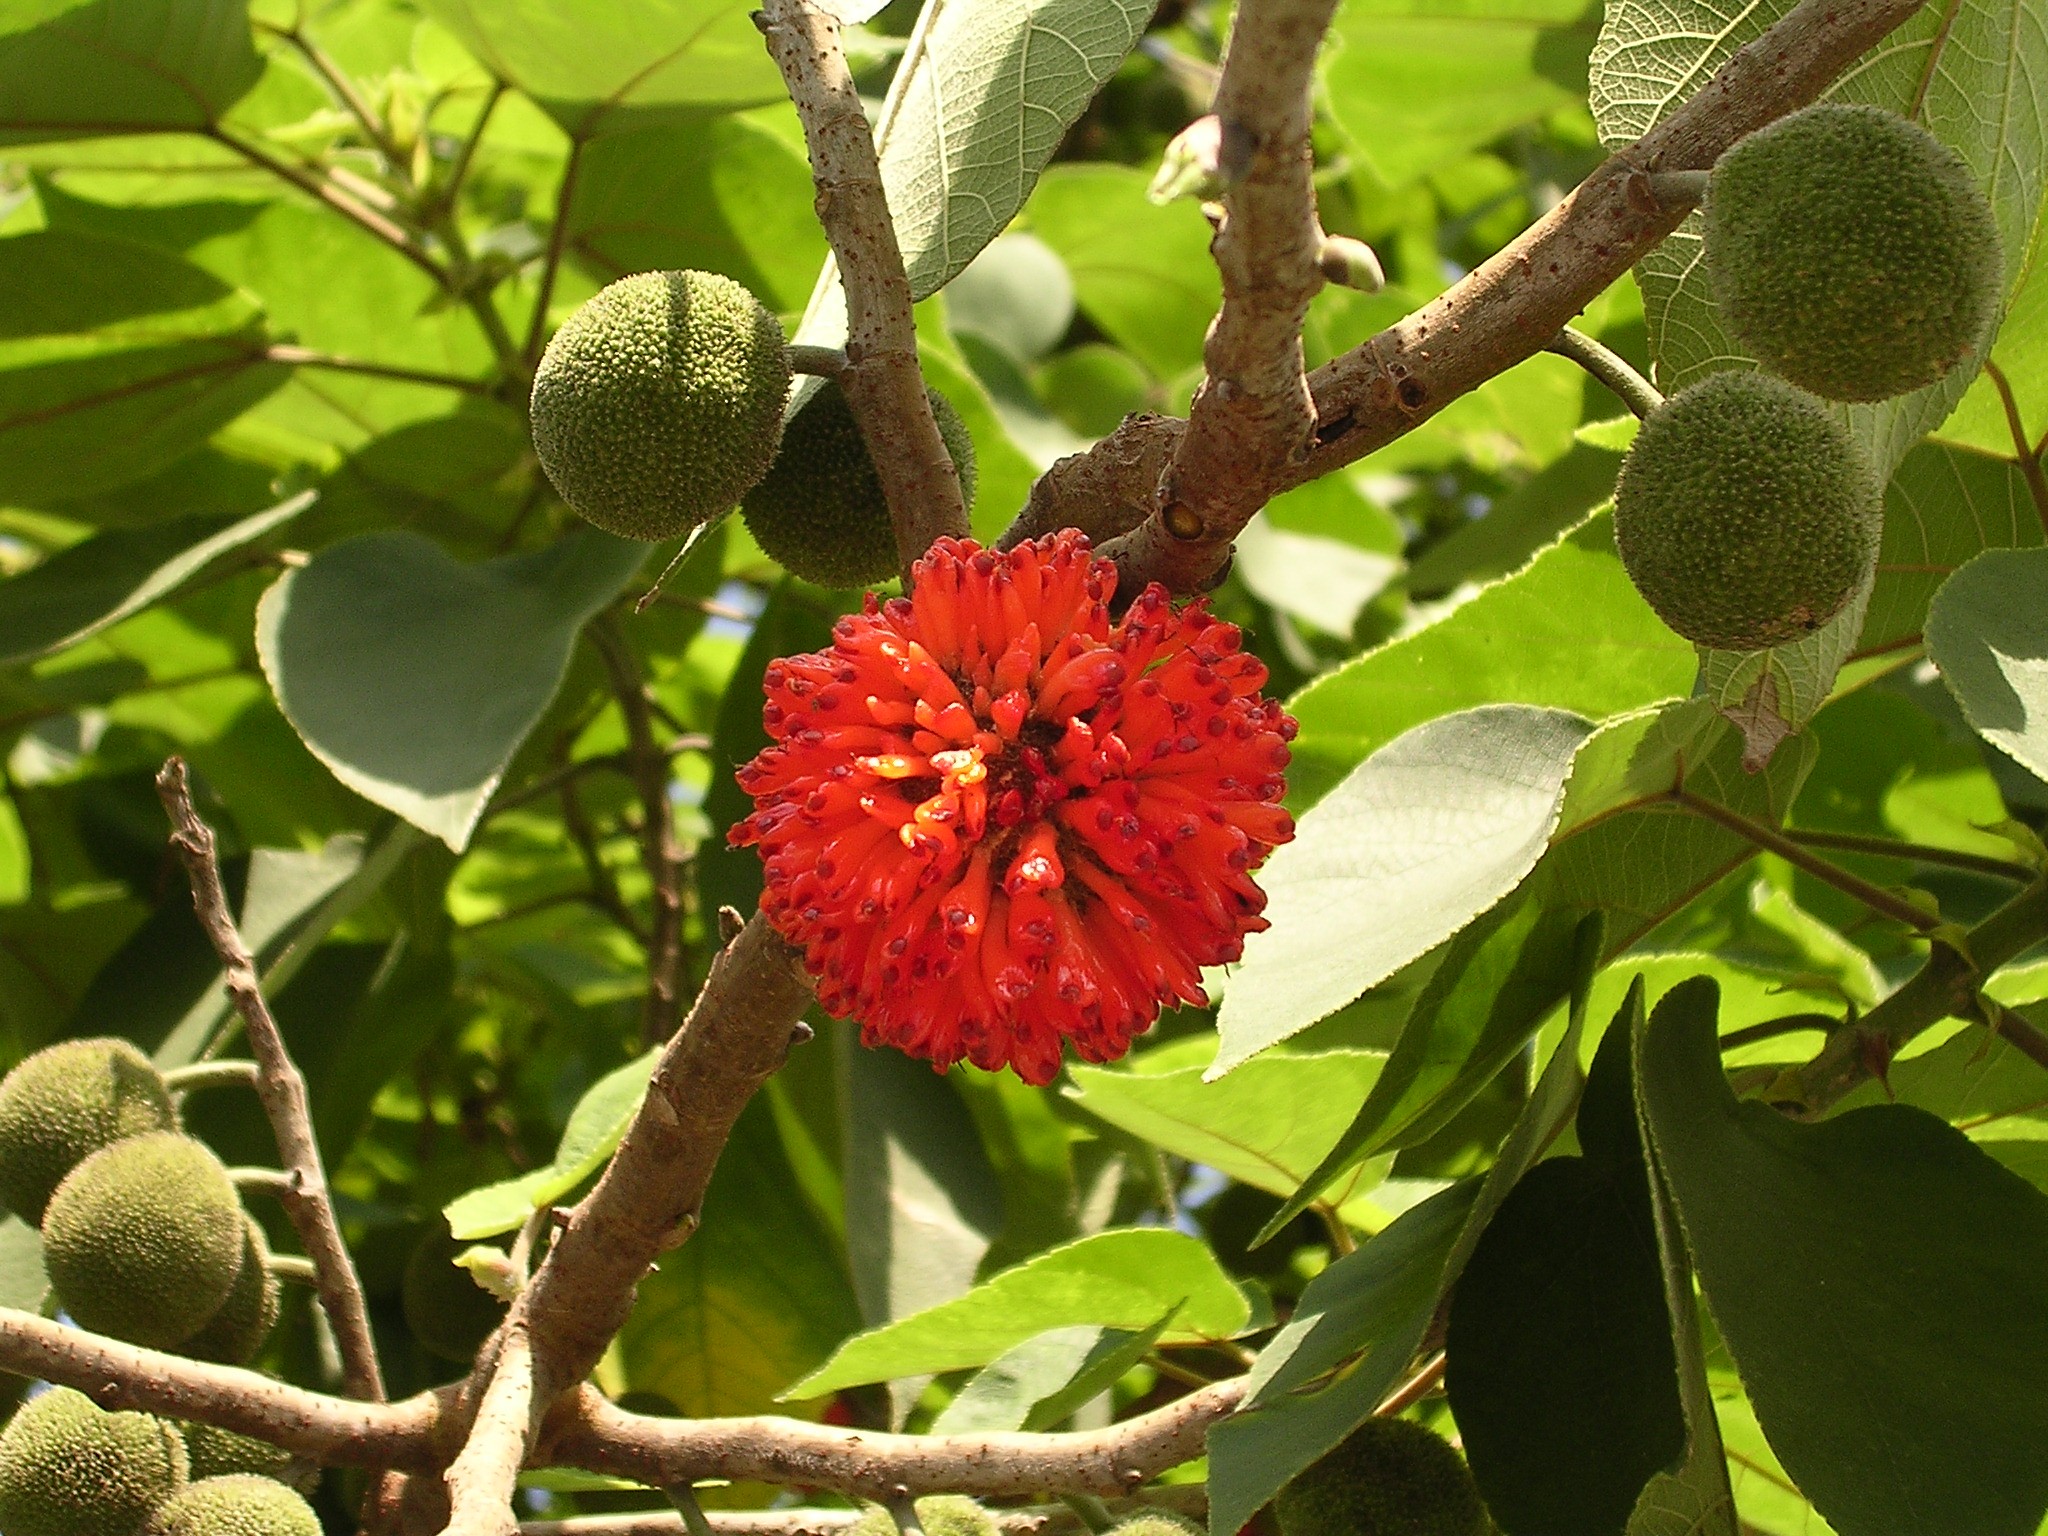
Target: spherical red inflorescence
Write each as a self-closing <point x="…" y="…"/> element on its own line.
<point x="995" y="822"/>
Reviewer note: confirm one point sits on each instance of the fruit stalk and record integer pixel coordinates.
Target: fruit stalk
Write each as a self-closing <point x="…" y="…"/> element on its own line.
<point x="283" y="1091"/>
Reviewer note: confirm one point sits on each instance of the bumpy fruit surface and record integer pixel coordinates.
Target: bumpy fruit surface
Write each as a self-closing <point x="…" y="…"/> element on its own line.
<point x="447" y="1311"/>
<point x="1392" y="1477"/>
<point x="143" y="1240"/>
<point x="659" y="403"/>
<point x="1158" y="1522"/>
<point x="820" y="512"/>
<point x="68" y="1468"/>
<point x="234" y="1333"/>
<point x="1852" y="251"/>
<point x="1745" y="514"/>
<point x="941" y="1514"/>
<point x="63" y="1104"/>
<point x="237" y="1506"/>
<point x="217" y="1452"/>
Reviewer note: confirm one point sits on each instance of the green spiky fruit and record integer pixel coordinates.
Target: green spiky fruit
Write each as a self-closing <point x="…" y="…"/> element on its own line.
<point x="1392" y="1477"/>
<point x="143" y="1240"/>
<point x="820" y="512"/>
<point x="236" y="1332"/>
<point x="447" y="1311"/>
<point x="659" y="403"/>
<point x="1852" y="251"/>
<point x="941" y="1514"/>
<point x="1745" y="514"/>
<point x="237" y="1506"/>
<point x="63" y="1104"/>
<point x="217" y="1452"/>
<point x="1157" y="1522"/>
<point x="68" y="1468"/>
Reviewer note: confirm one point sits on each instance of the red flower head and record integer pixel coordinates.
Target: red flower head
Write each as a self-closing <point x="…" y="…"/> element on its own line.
<point x="994" y="821"/>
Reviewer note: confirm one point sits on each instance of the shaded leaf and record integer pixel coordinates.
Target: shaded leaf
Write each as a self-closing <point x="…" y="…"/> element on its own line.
<point x="1045" y="1379"/>
<point x="1988" y="632"/>
<point x="86" y="588"/>
<point x="414" y="678"/>
<point x="1894" y="1356"/>
<point x="121" y="66"/>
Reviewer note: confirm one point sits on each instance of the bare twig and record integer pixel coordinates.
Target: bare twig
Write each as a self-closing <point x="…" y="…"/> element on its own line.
<point x="333" y="1431"/>
<point x="551" y="263"/>
<point x="1190" y="1499"/>
<point x="1252" y="420"/>
<point x="884" y="388"/>
<point x="1913" y="853"/>
<point x="306" y="357"/>
<point x="1415" y="1388"/>
<point x="604" y="885"/>
<point x="481" y="1478"/>
<point x="1513" y="305"/>
<point x="345" y="92"/>
<point x="283" y="1092"/>
<point x="659" y="852"/>
<point x="1609" y="368"/>
<point x="2029" y="459"/>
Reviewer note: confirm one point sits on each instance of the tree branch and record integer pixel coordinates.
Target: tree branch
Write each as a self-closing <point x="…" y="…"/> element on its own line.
<point x="1252" y="420"/>
<point x="738" y="1033"/>
<point x="1107" y="1462"/>
<point x="333" y="1431"/>
<point x="283" y="1092"/>
<point x="884" y="388"/>
<point x="1609" y="368"/>
<point x="1190" y="1499"/>
<point x="306" y="357"/>
<point x="1513" y="305"/>
<point x="1945" y="986"/>
<point x="2029" y="459"/>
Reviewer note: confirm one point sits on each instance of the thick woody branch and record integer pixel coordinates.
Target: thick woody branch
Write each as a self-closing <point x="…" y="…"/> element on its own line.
<point x="332" y="1431"/>
<point x="1511" y="307"/>
<point x="884" y="388"/>
<point x="1106" y="1462"/>
<point x="1189" y="1499"/>
<point x="283" y="1092"/>
<point x="737" y="1034"/>
<point x="1252" y="420"/>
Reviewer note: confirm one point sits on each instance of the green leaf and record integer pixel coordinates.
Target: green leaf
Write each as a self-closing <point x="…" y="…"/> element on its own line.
<point x="1567" y="631"/>
<point x="1141" y="272"/>
<point x="1266" y="1124"/>
<point x="70" y="69"/>
<point x="1043" y="1380"/>
<point x="1376" y="1304"/>
<point x="624" y="64"/>
<point x="729" y="195"/>
<point x="1894" y="1356"/>
<point x="1119" y="1279"/>
<point x="1944" y="506"/>
<point x="91" y="586"/>
<point x="754" y="1298"/>
<point x="1415" y="83"/>
<point x="1988" y="632"/>
<point x="1422" y="837"/>
<point x="922" y="1203"/>
<point x="1558" y="1358"/>
<point x="595" y="1127"/>
<point x="972" y="117"/>
<point x="1323" y="581"/>
<point x="414" y="678"/>
<point x="1534" y="514"/>
<point x="2021" y="350"/>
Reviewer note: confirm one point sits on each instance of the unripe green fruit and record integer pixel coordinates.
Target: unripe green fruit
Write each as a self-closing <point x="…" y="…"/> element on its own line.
<point x="941" y="1514"/>
<point x="143" y="1240"/>
<point x="236" y="1332"/>
<point x="1157" y="1522"/>
<point x="237" y="1506"/>
<point x="68" y="1468"/>
<point x="447" y="1311"/>
<point x="1392" y="1477"/>
<point x="1745" y="514"/>
<point x="63" y="1104"/>
<point x="1852" y="251"/>
<point x="659" y="403"/>
<point x="217" y="1452"/>
<point x="820" y="512"/>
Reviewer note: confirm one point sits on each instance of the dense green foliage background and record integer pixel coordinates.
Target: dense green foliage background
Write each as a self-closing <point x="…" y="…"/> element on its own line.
<point x="267" y="500"/>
